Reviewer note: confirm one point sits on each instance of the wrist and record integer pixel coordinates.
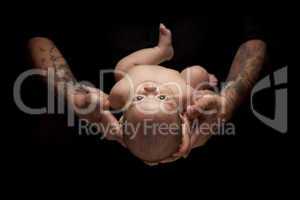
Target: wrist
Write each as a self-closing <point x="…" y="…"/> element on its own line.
<point x="229" y="103"/>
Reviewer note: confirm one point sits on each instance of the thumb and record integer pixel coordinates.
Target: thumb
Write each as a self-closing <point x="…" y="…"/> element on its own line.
<point x="203" y="107"/>
<point x="192" y="112"/>
<point x="112" y="127"/>
<point x="185" y="143"/>
<point x="105" y="104"/>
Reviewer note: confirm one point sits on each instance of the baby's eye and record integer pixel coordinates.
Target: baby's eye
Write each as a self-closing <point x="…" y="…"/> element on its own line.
<point x="162" y="97"/>
<point x="138" y="98"/>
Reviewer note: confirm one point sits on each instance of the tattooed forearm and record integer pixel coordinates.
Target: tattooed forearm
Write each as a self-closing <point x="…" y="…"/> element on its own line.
<point x="244" y="71"/>
<point x="46" y="56"/>
<point x="88" y="99"/>
<point x="62" y="70"/>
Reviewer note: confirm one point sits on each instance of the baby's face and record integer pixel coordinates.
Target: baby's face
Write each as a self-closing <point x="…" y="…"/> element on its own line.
<point x="151" y="97"/>
<point x="152" y="130"/>
<point x="155" y="127"/>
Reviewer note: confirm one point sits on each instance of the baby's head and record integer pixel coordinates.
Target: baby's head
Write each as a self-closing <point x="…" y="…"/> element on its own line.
<point x="152" y="125"/>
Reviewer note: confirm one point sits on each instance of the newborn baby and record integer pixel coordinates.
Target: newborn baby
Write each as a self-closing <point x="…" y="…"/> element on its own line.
<point x="153" y="100"/>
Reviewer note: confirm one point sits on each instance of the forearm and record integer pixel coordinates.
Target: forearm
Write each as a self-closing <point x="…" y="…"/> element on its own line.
<point x="47" y="57"/>
<point x="244" y="72"/>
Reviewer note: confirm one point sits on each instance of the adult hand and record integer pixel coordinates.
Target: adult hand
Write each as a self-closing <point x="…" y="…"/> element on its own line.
<point x="92" y="104"/>
<point x="205" y="114"/>
<point x="184" y="147"/>
<point x="88" y="102"/>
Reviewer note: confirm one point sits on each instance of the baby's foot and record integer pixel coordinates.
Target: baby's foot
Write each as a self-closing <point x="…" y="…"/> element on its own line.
<point x="165" y="42"/>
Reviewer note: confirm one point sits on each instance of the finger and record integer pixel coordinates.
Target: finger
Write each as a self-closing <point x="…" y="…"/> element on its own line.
<point x="80" y="100"/>
<point x="150" y="163"/>
<point x="112" y="127"/>
<point x="198" y="94"/>
<point x="183" y="151"/>
<point x="169" y="160"/>
<point x="207" y="105"/>
<point x="98" y="97"/>
<point x="192" y="112"/>
<point x="104" y="103"/>
<point x="85" y="96"/>
<point x="184" y="148"/>
<point x="194" y="138"/>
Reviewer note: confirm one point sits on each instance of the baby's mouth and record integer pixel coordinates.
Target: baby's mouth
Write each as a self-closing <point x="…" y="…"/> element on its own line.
<point x="148" y="107"/>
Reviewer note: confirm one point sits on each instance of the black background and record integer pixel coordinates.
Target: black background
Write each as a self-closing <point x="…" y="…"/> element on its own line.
<point x="90" y="42"/>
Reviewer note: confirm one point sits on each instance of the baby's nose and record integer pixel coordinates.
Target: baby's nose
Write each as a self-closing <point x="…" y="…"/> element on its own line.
<point x="150" y="87"/>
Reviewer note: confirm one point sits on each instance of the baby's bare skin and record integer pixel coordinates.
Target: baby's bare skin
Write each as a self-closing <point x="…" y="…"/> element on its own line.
<point x="143" y="66"/>
<point x="142" y="81"/>
<point x="142" y="77"/>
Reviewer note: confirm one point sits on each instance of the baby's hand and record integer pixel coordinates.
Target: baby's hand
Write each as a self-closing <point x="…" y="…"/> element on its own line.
<point x="93" y="105"/>
<point x="88" y="102"/>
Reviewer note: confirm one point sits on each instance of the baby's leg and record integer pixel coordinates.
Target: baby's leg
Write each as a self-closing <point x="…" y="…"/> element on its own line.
<point x="151" y="56"/>
<point x="198" y="78"/>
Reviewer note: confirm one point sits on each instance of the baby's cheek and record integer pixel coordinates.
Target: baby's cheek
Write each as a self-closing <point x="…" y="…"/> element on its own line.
<point x="171" y="106"/>
<point x="185" y="100"/>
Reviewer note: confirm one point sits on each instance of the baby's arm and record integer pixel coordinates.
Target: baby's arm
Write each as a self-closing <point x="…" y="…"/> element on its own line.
<point x="119" y="94"/>
<point x="151" y="56"/>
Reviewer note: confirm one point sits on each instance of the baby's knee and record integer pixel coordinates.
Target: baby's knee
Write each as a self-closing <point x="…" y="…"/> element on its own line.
<point x="197" y="71"/>
<point x="37" y="42"/>
<point x="195" y="74"/>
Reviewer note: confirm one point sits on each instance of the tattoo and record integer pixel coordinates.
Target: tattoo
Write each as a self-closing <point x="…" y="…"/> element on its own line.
<point x="63" y="72"/>
<point x="53" y="47"/>
<point x="245" y="70"/>
<point x="79" y="88"/>
<point x="55" y="58"/>
<point x="240" y="87"/>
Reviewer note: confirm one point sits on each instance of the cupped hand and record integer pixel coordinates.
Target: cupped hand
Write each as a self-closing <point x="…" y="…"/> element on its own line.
<point x="184" y="147"/>
<point x="205" y="114"/>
